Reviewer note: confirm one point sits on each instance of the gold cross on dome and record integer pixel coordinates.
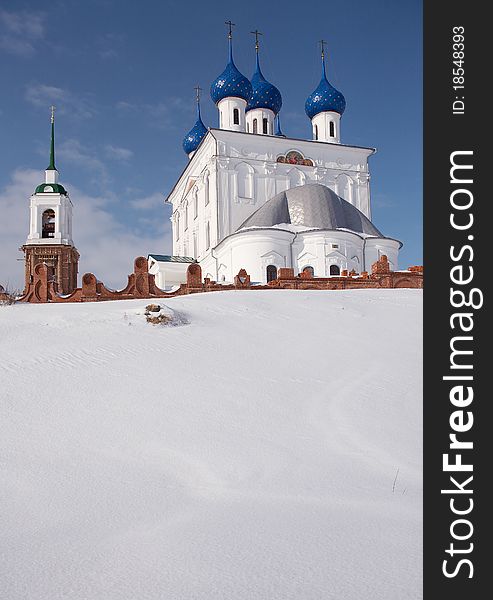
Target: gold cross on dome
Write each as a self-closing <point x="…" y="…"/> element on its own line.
<point x="197" y="89"/>
<point x="230" y="26"/>
<point x="256" y="33"/>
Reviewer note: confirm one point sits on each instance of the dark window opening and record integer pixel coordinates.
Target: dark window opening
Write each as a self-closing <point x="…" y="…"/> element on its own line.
<point x="236" y="116"/>
<point x="316" y="132"/>
<point x="48" y="223"/>
<point x="265" y="125"/>
<point x="271" y="273"/>
<point x="254" y="125"/>
<point x="332" y="129"/>
<point x="334" y="270"/>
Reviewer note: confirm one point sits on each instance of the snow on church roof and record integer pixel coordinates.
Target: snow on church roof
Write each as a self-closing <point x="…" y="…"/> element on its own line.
<point x="313" y="205"/>
<point x="168" y="258"/>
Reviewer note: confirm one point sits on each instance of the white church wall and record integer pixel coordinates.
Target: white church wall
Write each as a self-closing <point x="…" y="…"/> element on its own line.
<point x="209" y="266"/>
<point x="239" y="191"/>
<point x="321" y="249"/>
<point x="330" y="161"/>
<point x="195" y="179"/>
<point x="376" y="247"/>
<point x="253" y="250"/>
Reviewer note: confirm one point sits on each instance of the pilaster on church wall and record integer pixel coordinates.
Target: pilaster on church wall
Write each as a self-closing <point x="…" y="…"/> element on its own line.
<point x="364" y="194"/>
<point x="269" y="180"/>
<point x="214" y="198"/>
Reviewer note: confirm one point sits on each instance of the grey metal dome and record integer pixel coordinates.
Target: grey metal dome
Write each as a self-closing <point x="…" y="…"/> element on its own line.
<point x="312" y="205"/>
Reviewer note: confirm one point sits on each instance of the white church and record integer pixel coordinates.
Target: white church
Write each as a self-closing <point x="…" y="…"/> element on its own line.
<point x="252" y="198"/>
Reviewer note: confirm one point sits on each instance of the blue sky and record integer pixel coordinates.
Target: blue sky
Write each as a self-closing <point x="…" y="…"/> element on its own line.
<point x="122" y="75"/>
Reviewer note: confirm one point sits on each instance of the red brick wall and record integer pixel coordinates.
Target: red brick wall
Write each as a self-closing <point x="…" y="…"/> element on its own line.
<point x="141" y="284"/>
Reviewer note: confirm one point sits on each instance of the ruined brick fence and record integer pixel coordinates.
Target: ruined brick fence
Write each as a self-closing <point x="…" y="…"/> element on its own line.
<point x="141" y="283"/>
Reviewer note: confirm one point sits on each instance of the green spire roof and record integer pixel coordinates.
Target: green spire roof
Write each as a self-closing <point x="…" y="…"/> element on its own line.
<point x="51" y="166"/>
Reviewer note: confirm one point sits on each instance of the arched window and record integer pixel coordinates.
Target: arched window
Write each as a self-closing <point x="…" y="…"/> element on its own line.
<point x="207" y="236"/>
<point x="296" y="177"/>
<point x="244" y="178"/>
<point x="254" y="125"/>
<point x="265" y="125"/>
<point x="344" y="187"/>
<point x="334" y="270"/>
<point x="332" y="129"/>
<point x="315" y="132"/>
<point x="236" y="116"/>
<point x="271" y="273"/>
<point x="48" y="223"/>
<point x="309" y="270"/>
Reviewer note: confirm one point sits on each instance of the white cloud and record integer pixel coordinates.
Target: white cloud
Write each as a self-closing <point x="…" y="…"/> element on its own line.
<point x="118" y="153"/>
<point x="150" y="202"/>
<point x="20" y="31"/>
<point x="161" y="114"/>
<point x="107" y="246"/>
<point x="73" y="151"/>
<point x="42" y="95"/>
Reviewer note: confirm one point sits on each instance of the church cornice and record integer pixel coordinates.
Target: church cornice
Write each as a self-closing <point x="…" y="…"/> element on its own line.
<point x="283" y="140"/>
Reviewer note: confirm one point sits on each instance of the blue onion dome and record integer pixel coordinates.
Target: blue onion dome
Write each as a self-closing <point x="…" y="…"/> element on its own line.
<point x="264" y="94"/>
<point x="231" y="83"/>
<point x="195" y="135"/>
<point x="325" y="97"/>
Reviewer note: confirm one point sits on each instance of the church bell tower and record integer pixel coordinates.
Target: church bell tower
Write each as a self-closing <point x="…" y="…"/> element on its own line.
<point x="50" y="231"/>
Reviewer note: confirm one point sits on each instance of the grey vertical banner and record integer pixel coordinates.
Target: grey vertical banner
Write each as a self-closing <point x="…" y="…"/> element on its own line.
<point x="458" y="227"/>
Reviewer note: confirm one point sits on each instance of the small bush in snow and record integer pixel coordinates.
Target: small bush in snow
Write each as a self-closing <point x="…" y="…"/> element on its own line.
<point x="161" y="319"/>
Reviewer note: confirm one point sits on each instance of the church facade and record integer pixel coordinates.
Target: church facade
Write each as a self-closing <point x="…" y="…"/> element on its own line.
<point x="251" y="197"/>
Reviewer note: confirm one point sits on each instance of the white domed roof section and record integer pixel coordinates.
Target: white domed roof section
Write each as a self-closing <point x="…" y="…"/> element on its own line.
<point x="314" y="206"/>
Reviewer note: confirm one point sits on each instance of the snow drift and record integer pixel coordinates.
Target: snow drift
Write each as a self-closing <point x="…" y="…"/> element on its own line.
<point x="269" y="448"/>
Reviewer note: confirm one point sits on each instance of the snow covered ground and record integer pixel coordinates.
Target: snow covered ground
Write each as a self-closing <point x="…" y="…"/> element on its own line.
<point x="250" y="454"/>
